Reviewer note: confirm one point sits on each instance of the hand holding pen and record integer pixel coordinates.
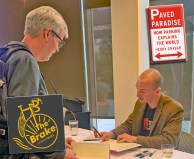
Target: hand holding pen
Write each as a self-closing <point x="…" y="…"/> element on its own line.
<point x="104" y="136"/>
<point x="96" y="132"/>
<point x="96" y="136"/>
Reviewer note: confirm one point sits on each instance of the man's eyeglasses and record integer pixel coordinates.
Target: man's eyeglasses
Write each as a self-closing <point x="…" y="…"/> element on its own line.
<point x="62" y="42"/>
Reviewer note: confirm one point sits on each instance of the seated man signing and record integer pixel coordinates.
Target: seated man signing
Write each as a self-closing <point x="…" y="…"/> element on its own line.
<point x="156" y="118"/>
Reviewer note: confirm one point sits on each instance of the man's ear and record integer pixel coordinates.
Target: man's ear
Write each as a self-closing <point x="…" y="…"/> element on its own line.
<point x="47" y="33"/>
<point x="158" y="90"/>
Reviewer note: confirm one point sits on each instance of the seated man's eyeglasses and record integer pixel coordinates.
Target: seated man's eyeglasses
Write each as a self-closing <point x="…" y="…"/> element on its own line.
<point x="62" y="42"/>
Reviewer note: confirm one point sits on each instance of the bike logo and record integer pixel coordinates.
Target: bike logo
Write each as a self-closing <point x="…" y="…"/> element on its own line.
<point x="39" y="130"/>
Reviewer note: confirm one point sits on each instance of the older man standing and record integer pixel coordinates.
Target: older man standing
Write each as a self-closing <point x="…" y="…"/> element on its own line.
<point x="44" y="32"/>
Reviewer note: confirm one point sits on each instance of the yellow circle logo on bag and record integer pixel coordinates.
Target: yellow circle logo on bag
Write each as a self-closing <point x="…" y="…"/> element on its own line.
<point x="41" y="134"/>
<point x="39" y="130"/>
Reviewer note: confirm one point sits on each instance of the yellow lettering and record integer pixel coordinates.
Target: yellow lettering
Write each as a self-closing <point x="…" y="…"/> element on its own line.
<point x="32" y="139"/>
<point x="42" y="134"/>
<point x="37" y="137"/>
<point x="53" y="129"/>
<point x="46" y="132"/>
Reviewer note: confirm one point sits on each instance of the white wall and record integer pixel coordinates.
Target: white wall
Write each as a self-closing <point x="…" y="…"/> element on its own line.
<point x="130" y="52"/>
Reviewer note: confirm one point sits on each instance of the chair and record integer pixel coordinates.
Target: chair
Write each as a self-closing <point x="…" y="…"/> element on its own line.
<point x="186" y="142"/>
<point x="76" y="111"/>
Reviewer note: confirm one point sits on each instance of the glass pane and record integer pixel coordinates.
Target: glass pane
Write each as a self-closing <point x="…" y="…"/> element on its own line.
<point x="100" y="57"/>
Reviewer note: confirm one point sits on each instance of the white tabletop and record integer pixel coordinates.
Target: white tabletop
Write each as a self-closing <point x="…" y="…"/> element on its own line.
<point x="84" y="134"/>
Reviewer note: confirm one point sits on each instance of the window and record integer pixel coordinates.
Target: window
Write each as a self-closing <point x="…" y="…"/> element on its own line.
<point x="99" y="51"/>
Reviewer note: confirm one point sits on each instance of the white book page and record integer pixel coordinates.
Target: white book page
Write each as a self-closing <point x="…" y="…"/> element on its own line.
<point x="116" y="146"/>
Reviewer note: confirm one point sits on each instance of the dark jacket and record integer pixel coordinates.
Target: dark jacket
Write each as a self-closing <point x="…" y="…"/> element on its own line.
<point x="25" y="79"/>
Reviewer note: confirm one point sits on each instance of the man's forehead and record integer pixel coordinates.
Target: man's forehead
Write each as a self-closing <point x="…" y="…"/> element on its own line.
<point x="142" y="81"/>
<point x="144" y="84"/>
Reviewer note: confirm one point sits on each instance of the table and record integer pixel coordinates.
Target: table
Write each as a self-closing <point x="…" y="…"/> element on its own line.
<point x="83" y="134"/>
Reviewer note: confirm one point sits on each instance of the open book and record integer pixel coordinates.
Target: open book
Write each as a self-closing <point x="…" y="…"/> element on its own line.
<point x="100" y="150"/>
<point x="118" y="147"/>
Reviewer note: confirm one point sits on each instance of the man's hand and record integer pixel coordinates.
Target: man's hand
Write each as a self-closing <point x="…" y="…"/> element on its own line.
<point x="68" y="141"/>
<point x="127" y="138"/>
<point x="105" y="136"/>
<point x="70" y="154"/>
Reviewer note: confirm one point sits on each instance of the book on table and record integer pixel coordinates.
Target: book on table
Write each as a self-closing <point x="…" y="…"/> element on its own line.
<point x="100" y="150"/>
<point x="121" y="146"/>
<point x="88" y="150"/>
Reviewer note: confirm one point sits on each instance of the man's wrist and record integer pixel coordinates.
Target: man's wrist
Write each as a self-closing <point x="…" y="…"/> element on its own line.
<point x="135" y="139"/>
<point x="113" y="135"/>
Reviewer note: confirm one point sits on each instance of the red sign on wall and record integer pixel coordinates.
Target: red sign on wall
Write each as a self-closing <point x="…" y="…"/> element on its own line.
<point x="167" y="33"/>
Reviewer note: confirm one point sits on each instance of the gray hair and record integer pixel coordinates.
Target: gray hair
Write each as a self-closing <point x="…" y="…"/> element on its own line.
<point x="44" y="17"/>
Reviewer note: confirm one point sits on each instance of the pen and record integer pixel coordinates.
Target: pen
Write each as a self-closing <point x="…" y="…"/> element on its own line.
<point x="144" y="154"/>
<point x="94" y="139"/>
<point x="140" y="154"/>
<point x="97" y="131"/>
<point x="151" y="154"/>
